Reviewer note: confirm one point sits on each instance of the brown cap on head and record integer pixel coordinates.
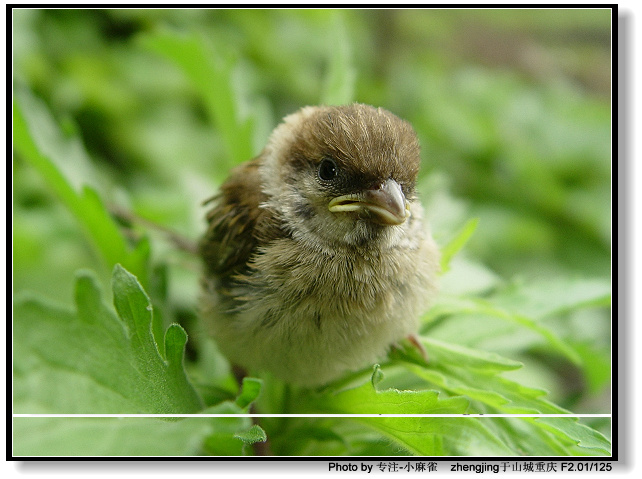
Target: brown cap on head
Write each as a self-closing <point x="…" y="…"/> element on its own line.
<point x="372" y="144"/>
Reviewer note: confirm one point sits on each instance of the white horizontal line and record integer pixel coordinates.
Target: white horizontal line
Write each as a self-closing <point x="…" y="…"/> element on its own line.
<point x="318" y="415"/>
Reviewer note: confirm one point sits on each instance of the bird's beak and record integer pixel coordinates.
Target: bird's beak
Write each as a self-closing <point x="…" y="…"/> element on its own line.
<point x="385" y="205"/>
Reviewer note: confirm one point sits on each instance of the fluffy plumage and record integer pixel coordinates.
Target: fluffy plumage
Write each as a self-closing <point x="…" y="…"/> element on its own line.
<point x="316" y="256"/>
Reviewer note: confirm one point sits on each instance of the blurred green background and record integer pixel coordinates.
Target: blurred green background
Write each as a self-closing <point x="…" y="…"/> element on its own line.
<point x="512" y="108"/>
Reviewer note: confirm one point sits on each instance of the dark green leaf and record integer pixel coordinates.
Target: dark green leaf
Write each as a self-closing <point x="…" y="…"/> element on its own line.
<point x="30" y="118"/>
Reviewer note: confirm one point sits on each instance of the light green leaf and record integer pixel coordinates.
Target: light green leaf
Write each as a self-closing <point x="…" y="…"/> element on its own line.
<point x="457" y="243"/>
<point x="418" y="435"/>
<point x="466" y="277"/>
<point x="476" y="375"/>
<point x="484" y="307"/>
<point x="439" y="436"/>
<point x="90" y="360"/>
<point x="542" y="299"/>
<point x="440" y="352"/>
<point x="108" y="436"/>
<point x="135" y="436"/>
<point x="366" y="399"/>
<point x="252" y="435"/>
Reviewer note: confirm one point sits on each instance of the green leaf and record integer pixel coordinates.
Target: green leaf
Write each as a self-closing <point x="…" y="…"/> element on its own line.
<point x="135" y="436"/>
<point x="475" y="374"/>
<point x="553" y="340"/>
<point x="439" y="436"/>
<point x="484" y="307"/>
<point x="418" y="435"/>
<point x="90" y="360"/>
<point x="211" y="73"/>
<point x="30" y="118"/>
<point x="366" y="399"/>
<point x="223" y="440"/>
<point x="249" y="392"/>
<point x="108" y="436"/>
<point x="457" y="243"/>
<point x="466" y="277"/>
<point x="425" y="436"/>
<point x="377" y="375"/>
<point x="542" y="299"/>
<point x="596" y="366"/>
<point x="311" y="438"/>
<point x="440" y="352"/>
<point x="588" y="440"/>
<point x="251" y="436"/>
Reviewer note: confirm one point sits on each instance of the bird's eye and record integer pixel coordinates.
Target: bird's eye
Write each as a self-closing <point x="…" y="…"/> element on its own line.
<point x="327" y="170"/>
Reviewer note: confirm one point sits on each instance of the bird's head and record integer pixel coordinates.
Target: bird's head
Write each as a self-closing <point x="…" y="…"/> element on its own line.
<point x="342" y="175"/>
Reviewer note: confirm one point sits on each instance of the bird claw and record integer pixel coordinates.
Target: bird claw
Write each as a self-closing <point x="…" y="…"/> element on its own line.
<point x="414" y="340"/>
<point x="410" y="349"/>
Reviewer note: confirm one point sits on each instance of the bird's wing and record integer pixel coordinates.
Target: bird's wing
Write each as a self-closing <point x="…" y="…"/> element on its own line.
<point x="231" y="237"/>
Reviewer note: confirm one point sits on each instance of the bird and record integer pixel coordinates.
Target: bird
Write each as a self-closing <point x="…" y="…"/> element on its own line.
<point x="316" y="257"/>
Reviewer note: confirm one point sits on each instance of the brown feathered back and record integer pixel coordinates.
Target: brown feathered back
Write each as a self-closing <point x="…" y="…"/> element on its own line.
<point x="232" y="223"/>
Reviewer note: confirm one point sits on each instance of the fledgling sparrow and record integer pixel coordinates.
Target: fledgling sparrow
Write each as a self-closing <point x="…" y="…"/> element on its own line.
<point x="316" y="256"/>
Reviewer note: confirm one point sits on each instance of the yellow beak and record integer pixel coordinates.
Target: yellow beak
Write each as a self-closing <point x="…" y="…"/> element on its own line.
<point x="385" y="205"/>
